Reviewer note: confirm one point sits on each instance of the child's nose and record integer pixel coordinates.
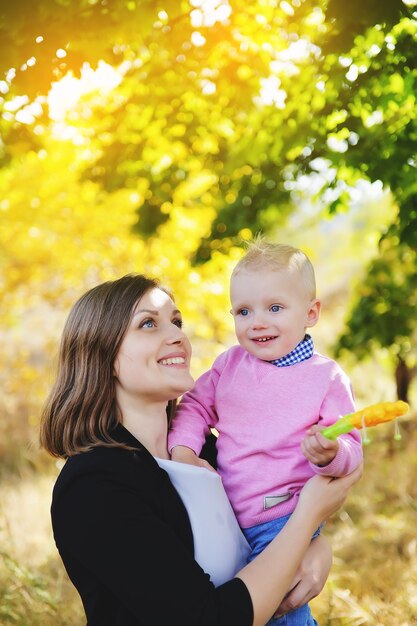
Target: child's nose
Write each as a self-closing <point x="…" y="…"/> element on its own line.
<point x="259" y="321"/>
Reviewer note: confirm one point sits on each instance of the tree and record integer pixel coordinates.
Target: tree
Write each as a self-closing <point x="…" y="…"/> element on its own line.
<point x="371" y="128"/>
<point x="383" y="314"/>
<point x="217" y="110"/>
<point x="240" y="97"/>
<point x="376" y="134"/>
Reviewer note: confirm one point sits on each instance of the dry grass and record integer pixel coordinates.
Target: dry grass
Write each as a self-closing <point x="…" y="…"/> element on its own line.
<point x="373" y="579"/>
<point x="34" y="588"/>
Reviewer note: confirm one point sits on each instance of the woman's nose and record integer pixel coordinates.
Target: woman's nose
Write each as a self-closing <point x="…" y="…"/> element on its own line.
<point x="176" y="335"/>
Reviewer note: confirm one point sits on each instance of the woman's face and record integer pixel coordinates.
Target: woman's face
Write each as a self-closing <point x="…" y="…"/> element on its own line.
<point x="154" y="358"/>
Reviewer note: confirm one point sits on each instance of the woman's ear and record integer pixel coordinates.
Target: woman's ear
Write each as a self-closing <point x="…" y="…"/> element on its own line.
<point x="313" y="313"/>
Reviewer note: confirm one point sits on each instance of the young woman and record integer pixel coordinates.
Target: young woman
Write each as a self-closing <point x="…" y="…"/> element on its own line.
<point x="120" y="527"/>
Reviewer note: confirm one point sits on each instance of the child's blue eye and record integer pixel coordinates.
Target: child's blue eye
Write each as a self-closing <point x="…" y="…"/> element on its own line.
<point x="243" y="312"/>
<point x="276" y="308"/>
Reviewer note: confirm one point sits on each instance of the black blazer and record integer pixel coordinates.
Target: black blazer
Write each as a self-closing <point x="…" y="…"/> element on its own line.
<point x="126" y="543"/>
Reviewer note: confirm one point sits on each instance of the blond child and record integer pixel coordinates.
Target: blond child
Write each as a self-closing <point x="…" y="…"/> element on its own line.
<point x="268" y="398"/>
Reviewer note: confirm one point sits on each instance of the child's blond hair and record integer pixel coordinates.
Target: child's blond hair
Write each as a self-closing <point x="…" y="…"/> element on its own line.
<point x="277" y="256"/>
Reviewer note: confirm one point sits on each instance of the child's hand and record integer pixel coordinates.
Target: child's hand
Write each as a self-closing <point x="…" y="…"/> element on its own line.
<point x="183" y="454"/>
<point x="318" y="449"/>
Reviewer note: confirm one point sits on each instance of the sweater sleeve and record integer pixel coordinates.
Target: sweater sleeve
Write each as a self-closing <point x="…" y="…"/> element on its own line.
<point x="196" y="413"/>
<point x="338" y="402"/>
<point x="113" y="535"/>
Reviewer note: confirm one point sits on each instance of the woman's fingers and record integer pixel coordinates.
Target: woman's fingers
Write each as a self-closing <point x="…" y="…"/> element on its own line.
<point x="325" y="495"/>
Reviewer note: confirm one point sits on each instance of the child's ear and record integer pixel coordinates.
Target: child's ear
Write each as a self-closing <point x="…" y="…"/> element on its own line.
<point x="313" y="313"/>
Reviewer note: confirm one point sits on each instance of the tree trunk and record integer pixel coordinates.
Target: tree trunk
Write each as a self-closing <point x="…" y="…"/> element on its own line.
<point x="403" y="378"/>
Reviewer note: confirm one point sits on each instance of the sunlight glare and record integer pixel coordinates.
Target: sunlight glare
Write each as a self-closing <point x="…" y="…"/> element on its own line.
<point x="17" y="103"/>
<point x="197" y="39"/>
<point x="28" y="114"/>
<point x="208" y="12"/>
<point x="65" y="93"/>
<point x="270" y="93"/>
<point x="287" y="8"/>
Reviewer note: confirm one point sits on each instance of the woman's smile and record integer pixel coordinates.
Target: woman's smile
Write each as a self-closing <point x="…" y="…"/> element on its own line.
<point x="173" y="359"/>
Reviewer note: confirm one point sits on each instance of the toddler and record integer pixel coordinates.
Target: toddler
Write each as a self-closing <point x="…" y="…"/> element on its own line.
<point x="268" y="398"/>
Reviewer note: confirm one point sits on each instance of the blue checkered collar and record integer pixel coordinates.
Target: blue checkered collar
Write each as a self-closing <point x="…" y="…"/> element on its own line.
<point x="304" y="350"/>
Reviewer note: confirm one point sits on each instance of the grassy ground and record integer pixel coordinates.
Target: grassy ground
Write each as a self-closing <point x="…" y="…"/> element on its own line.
<point x="373" y="580"/>
<point x="34" y="588"/>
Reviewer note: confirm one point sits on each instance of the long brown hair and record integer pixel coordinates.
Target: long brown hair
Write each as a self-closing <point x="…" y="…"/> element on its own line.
<point x="81" y="410"/>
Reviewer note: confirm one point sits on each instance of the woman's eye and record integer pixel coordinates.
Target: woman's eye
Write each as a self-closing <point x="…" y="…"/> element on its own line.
<point x="275" y="308"/>
<point x="178" y="322"/>
<point x="243" y="312"/>
<point x="148" y="323"/>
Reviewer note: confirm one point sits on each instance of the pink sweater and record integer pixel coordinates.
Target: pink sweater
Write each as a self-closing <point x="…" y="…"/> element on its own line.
<point x="262" y="412"/>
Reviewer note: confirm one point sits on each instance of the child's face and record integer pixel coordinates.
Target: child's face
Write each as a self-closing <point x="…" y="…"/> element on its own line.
<point x="271" y="309"/>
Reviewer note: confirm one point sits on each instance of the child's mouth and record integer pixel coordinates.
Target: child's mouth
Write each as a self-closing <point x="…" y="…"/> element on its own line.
<point x="263" y="339"/>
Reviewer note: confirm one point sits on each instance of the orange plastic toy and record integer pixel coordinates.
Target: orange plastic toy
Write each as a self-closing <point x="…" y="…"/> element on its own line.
<point x="369" y="416"/>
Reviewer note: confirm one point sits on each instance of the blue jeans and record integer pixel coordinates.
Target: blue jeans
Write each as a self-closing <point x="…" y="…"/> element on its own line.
<point x="258" y="538"/>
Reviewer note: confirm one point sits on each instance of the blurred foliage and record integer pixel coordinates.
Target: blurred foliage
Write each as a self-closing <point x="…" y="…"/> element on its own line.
<point x="387" y="298"/>
<point x="372" y="125"/>
<point x="238" y="97"/>
<point x="354" y="18"/>
<point x="383" y="314"/>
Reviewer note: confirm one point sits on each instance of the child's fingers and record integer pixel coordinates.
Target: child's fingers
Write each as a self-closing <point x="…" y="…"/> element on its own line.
<point x="324" y="443"/>
<point x="206" y="464"/>
<point x="319" y="443"/>
<point x="315" y="459"/>
<point x="317" y="451"/>
<point x="314" y="429"/>
<point x="311" y="453"/>
<point x="313" y="444"/>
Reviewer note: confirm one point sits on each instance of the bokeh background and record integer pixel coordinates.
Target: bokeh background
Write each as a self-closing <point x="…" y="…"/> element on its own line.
<point x="156" y="137"/>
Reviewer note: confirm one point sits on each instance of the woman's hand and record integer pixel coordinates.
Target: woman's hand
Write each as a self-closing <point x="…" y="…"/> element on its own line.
<point x="310" y="577"/>
<point x="324" y="495"/>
